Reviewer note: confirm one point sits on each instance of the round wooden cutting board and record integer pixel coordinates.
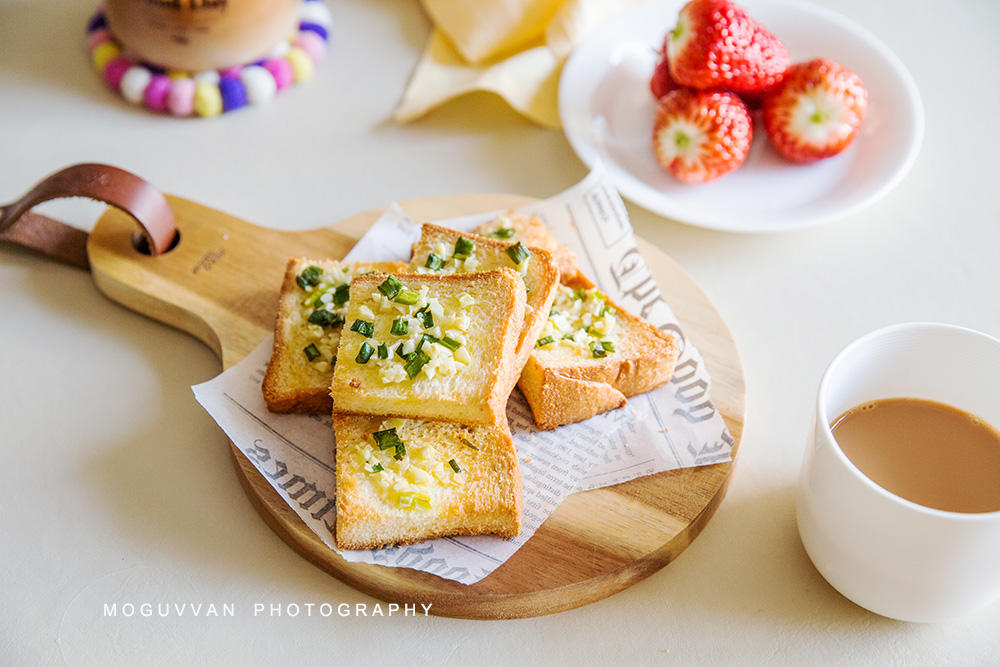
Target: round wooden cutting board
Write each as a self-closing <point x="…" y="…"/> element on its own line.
<point x="220" y="283"/>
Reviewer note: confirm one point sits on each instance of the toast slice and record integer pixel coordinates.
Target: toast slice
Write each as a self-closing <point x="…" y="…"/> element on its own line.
<point x="430" y="346"/>
<point x="442" y="250"/>
<point x="532" y="232"/>
<point x="441" y="479"/>
<point x="591" y="356"/>
<point x="305" y="344"/>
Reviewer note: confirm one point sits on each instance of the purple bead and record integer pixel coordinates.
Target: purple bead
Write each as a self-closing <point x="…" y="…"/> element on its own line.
<point x="314" y="27"/>
<point x="153" y="68"/>
<point x="234" y="94"/>
<point x="97" y="21"/>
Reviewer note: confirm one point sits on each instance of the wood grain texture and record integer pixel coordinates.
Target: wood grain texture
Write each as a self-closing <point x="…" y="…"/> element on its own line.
<point x="221" y="284"/>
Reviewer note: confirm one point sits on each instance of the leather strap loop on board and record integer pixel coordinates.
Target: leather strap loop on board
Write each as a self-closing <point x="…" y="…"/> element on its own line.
<point x="111" y="185"/>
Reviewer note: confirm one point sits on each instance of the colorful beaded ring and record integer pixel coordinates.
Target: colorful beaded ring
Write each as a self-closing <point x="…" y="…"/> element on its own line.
<point x="212" y="92"/>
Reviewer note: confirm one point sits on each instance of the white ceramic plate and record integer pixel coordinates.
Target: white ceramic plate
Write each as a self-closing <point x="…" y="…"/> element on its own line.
<point x="607" y="114"/>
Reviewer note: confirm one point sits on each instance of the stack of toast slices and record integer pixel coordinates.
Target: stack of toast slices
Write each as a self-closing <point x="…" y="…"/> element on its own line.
<point x="416" y="363"/>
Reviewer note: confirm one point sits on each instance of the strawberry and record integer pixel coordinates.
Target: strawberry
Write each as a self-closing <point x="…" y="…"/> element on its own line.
<point x="816" y="111"/>
<point x="716" y="44"/>
<point x="699" y="135"/>
<point x="660" y="83"/>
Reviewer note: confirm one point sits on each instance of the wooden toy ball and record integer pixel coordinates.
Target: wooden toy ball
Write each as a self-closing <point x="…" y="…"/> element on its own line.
<point x="198" y="35"/>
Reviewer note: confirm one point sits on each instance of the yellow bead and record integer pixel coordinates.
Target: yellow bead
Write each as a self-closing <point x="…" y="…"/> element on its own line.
<point x="302" y="64"/>
<point x="176" y="74"/>
<point x="207" y="99"/>
<point x="104" y="53"/>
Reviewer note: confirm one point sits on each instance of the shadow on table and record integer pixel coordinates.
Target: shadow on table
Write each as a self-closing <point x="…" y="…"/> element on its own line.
<point x="164" y="480"/>
<point x="522" y="154"/>
<point x="758" y="569"/>
<point x="412" y="22"/>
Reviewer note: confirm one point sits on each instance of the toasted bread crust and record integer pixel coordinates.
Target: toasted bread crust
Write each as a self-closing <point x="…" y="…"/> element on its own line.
<point x="563" y="394"/>
<point x="557" y="398"/>
<point x="531" y="231"/>
<point x="483" y="403"/>
<point x="490" y="502"/>
<point x="290" y="383"/>
<point x="541" y="280"/>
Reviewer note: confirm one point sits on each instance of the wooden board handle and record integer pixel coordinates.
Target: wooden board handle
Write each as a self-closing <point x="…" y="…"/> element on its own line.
<point x="219" y="281"/>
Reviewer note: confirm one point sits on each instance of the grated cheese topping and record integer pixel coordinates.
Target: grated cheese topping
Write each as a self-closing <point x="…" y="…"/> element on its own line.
<point x="417" y="479"/>
<point x="478" y="260"/>
<point x="435" y="327"/>
<point x="316" y="297"/>
<point x="580" y="323"/>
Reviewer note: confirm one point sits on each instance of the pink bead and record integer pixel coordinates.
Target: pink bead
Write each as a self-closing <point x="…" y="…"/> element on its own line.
<point x="155" y="95"/>
<point x="99" y="36"/>
<point x="115" y="70"/>
<point x="312" y="44"/>
<point x="180" y="99"/>
<point x="232" y="72"/>
<point x="281" y="70"/>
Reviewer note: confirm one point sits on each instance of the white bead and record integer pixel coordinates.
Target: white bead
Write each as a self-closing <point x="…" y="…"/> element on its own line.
<point x="259" y="84"/>
<point x="316" y="12"/>
<point x="280" y="50"/>
<point x="134" y="82"/>
<point x="208" y="76"/>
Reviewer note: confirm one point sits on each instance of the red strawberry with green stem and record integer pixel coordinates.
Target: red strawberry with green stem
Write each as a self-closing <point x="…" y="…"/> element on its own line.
<point x="816" y="111"/>
<point x="699" y="136"/>
<point x="717" y="45"/>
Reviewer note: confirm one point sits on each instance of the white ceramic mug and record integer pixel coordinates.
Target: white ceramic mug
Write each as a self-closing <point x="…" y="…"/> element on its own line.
<point x="889" y="555"/>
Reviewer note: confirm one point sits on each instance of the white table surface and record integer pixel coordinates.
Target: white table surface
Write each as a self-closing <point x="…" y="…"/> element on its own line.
<point x="118" y="487"/>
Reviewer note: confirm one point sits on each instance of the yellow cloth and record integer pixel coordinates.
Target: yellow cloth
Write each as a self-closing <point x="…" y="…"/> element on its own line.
<point x="514" y="48"/>
<point x="481" y="30"/>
